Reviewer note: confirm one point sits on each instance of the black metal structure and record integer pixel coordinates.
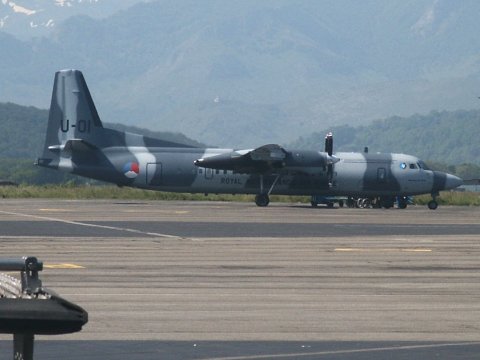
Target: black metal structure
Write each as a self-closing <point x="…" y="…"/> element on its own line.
<point x="27" y="309"/>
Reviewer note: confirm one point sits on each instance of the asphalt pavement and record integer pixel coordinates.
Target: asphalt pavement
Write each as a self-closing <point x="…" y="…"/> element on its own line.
<point x="213" y="280"/>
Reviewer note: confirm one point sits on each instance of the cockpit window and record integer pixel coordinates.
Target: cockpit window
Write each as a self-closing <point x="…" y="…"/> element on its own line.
<point x="422" y="165"/>
<point x="413" y="166"/>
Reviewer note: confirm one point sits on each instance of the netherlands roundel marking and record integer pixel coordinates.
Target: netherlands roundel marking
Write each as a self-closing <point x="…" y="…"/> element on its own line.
<point x="131" y="170"/>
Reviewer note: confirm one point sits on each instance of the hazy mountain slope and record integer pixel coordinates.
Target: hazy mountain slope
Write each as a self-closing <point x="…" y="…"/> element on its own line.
<point x="23" y="132"/>
<point x="243" y="73"/>
<point x="446" y="137"/>
<point x="33" y="18"/>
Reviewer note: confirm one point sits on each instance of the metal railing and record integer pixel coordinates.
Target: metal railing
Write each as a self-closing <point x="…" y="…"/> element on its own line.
<point x="27" y="309"/>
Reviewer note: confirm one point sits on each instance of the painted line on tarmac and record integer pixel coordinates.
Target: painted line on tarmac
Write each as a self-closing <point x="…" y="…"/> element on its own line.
<point x="55" y="210"/>
<point x="71" y="222"/>
<point x="420" y="250"/>
<point x="341" y="352"/>
<point x="63" y="266"/>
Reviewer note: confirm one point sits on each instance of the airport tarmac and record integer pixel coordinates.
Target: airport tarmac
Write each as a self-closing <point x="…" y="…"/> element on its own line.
<point x="215" y="280"/>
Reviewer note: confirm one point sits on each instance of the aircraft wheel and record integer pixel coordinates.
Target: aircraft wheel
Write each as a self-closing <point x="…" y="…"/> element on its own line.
<point x="366" y="203"/>
<point x="330" y="205"/>
<point x="340" y="203"/>
<point x="262" y="200"/>
<point x="402" y="203"/>
<point x="359" y="203"/>
<point x="387" y="202"/>
<point x="432" y="205"/>
<point x="313" y="203"/>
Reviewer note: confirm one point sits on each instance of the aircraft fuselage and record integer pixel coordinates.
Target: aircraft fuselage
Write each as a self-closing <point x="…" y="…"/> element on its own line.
<point x="173" y="169"/>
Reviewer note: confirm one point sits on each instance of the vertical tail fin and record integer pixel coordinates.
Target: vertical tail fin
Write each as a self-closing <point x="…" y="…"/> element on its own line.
<point x="73" y="117"/>
<point x="72" y="112"/>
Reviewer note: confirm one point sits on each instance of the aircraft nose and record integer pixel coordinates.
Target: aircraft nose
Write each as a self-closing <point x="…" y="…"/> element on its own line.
<point x="452" y="182"/>
<point x="444" y="181"/>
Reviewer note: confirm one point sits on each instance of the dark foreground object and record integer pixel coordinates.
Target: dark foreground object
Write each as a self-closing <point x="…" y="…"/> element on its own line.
<point x="27" y="309"/>
<point x="51" y="316"/>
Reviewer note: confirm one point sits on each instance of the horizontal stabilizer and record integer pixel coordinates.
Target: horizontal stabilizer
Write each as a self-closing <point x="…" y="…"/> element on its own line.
<point x="73" y="145"/>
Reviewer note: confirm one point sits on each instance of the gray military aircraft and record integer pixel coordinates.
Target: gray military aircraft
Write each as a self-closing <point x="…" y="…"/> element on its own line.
<point x="77" y="142"/>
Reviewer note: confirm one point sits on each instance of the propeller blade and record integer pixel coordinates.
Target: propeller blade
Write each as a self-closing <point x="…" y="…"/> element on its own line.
<point x="329" y="151"/>
<point x="330" y="175"/>
<point x="329" y="144"/>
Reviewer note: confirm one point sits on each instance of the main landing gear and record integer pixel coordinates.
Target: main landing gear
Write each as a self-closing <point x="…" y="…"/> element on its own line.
<point x="263" y="199"/>
<point x="378" y="202"/>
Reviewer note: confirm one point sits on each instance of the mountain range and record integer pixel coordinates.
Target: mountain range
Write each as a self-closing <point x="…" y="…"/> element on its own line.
<point x="246" y="73"/>
<point x="34" y="18"/>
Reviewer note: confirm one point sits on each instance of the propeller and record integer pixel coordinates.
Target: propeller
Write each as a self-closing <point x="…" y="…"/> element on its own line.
<point x="330" y="160"/>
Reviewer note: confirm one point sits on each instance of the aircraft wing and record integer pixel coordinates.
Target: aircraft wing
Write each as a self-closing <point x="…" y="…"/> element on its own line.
<point x="260" y="160"/>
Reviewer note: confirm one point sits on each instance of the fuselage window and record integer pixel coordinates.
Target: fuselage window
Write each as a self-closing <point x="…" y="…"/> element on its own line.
<point x="224" y="172"/>
<point x="422" y="165"/>
<point x="208" y="173"/>
<point x="200" y="170"/>
<point x="217" y="171"/>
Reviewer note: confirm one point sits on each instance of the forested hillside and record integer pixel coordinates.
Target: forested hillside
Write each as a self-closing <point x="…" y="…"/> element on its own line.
<point x="440" y="137"/>
<point x="23" y="131"/>
<point x="446" y="140"/>
<point x="21" y="142"/>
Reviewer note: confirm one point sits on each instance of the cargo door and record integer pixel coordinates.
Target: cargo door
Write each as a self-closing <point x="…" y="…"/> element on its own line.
<point x="154" y="174"/>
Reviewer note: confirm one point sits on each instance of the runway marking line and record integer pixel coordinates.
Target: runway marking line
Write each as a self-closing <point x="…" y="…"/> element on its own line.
<point x="71" y="222"/>
<point x="340" y="352"/>
<point x="55" y="210"/>
<point x="421" y="250"/>
<point x="63" y="266"/>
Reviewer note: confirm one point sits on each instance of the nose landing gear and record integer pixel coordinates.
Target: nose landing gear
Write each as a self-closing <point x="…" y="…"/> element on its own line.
<point x="433" y="204"/>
